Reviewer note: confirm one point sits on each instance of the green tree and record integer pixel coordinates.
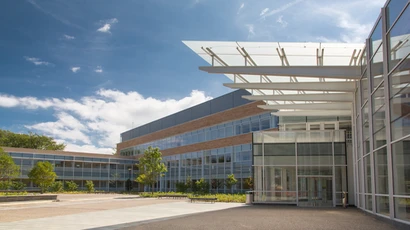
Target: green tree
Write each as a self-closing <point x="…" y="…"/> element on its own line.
<point x="57" y="186"/>
<point x="8" y="169"/>
<point x="71" y="186"/>
<point x="89" y="185"/>
<point x="30" y="140"/>
<point x="230" y="181"/>
<point x="151" y="167"/>
<point x="18" y="185"/>
<point x="202" y="186"/>
<point x="43" y="175"/>
<point x="249" y="183"/>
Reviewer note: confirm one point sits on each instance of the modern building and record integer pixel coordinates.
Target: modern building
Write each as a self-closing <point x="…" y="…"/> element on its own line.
<point x="210" y="140"/>
<point x="107" y="172"/>
<point x="368" y="82"/>
<point x="310" y="122"/>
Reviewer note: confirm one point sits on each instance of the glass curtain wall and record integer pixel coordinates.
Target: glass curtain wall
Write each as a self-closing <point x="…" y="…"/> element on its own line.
<point x="214" y="165"/>
<point x="307" y="168"/>
<point x="382" y="117"/>
<point x="107" y="174"/>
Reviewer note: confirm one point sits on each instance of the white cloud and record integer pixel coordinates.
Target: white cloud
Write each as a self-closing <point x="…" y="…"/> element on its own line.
<point x="263" y="12"/>
<point x="98" y="69"/>
<point x="68" y="37"/>
<point x="336" y="20"/>
<point x="280" y="9"/>
<point x="107" y="25"/>
<point x="94" y="123"/>
<point x="353" y="31"/>
<point x="36" y="61"/>
<point x="240" y="8"/>
<point x="75" y="69"/>
<point x="282" y="22"/>
<point x="251" y="31"/>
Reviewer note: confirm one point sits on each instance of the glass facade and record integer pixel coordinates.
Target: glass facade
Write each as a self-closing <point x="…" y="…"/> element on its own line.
<point x="307" y="168"/>
<point x="223" y="130"/>
<point x="382" y="117"/>
<point x="213" y="165"/>
<point x="108" y="174"/>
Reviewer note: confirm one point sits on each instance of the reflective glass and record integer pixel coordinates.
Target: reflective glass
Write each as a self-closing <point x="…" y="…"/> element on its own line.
<point x="367" y="175"/>
<point x="401" y="167"/>
<point x="380" y="168"/>
<point x="376" y="38"/>
<point x="364" y="87"/>
<point x="393" y="10"/>
<point x="402" y="208"/>
<point x="399" y="39"/>
<point x="399" y="101"/>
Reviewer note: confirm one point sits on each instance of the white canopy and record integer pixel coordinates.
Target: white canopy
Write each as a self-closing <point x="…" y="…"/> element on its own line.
<point x="294" y="79"/>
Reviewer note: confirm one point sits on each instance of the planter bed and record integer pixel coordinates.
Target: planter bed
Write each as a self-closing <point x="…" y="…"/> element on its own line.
<point x="27" y="198"/>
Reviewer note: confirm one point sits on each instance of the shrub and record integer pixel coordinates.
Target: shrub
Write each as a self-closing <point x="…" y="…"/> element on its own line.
<point x="5" y="185"/>
<point x="71" y="186"/>
<point x="230" y="181"/>
<point x="89" y="185"/>
<point x="181" y="187"/>
<point x="236" y="198"/>
<point x="17" y="185"/>
<point x="57" y="186"/>
<point x="202" y="186"/>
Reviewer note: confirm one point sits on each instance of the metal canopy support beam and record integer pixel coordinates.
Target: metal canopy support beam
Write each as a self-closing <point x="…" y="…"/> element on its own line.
<point x="341" y="72"/>
<point x="325" y="97"/>
<point x="309" y="106"/>
<point x="313" y="113"/>
<point x="306" y="86"/>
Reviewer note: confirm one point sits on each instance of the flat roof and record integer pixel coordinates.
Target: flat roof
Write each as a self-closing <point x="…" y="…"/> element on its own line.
<point x="65" y="153"/>
<point x="292" y="78"/>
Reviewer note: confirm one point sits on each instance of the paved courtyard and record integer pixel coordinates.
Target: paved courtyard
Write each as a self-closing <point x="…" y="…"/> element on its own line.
<point x="130" y="212"/>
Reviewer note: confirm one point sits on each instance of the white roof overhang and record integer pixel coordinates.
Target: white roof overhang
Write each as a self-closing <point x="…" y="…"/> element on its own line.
<point x="293" y="79"/>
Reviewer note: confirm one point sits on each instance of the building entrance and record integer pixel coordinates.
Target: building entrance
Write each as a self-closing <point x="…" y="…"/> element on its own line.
<point x="315" y="191"/>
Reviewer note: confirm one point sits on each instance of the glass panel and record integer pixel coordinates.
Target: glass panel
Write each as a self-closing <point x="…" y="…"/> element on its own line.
<point x="378" y="98"/>
<point x="340" y="177"/>
<point x="365" y="122"/>
<point x="377" y="68"/>
<point x="315" y="154"/>
<point x="398" y="38"/>
<point x="265" y="124"/>
<point x="401" y="167"/>
<point x="393" y="10"/>
<point x="363" y="62"/>
<point x="315" y="170"/>
<point x="380" y="165"/>
<point x="376" y="38"/>
<point x="379" y="136"/>
<point x="382" y="205"/>
<point x="364" y="87"/>
<point x="368" y="203"/>
<point x="340" y="153"/>
<point x="315" y="191"/>
<point x="402" y="206"/>
<point x="399" y="101"/>
<point x="368" y="175"/>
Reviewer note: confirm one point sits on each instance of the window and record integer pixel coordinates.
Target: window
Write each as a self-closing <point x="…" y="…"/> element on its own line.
<point x="265" y="124"/>
<point x="245" y="128"/>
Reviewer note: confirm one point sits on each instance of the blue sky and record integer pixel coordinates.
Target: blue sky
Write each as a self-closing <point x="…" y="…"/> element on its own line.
<point x="85" y="71"/>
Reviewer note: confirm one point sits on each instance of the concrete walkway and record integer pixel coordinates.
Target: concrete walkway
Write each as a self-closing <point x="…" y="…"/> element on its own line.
<point x="118" y="217"/>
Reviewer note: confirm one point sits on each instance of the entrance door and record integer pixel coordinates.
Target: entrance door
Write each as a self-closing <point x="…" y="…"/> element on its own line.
<point x="315" y="192"/>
